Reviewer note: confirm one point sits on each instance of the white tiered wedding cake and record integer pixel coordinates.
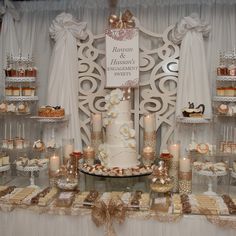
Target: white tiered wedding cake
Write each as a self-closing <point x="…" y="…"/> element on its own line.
<point x="119" y="150"/>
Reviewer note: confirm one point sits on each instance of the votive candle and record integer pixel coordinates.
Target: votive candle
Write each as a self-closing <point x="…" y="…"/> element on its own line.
<point x="89" y="152"/>
<point x="54" y="164"/>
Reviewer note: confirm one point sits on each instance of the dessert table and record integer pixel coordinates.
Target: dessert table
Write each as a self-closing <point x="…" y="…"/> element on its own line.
<point x="23" y="222"/>
<point x="33" y="222"/>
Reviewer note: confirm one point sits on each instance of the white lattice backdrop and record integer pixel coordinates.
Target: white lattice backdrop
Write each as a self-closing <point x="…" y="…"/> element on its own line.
<point x="158" y="81"/>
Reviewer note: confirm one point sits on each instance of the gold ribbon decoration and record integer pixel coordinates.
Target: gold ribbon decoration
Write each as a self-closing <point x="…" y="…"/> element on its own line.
<point x="185" y="175"/>
<point x="103" y="214"/>
<point x="124" y="21"/>
<point x="96" y="135"/>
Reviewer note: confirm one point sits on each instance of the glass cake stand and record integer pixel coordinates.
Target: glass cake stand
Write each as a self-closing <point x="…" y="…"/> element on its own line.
<point x="211" y="175"/>
<point x="113" y="176"/>
<point x="98" y="170"/>
<point x="4" y="168"/>
<point x="32" y="169"/>
<point x="117" y="180"/>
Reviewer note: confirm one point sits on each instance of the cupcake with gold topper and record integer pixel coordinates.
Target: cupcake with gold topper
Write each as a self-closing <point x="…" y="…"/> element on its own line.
<point x="3" y="107"/>
<point x="23" y="107"/>
<point x="39" y="145"/>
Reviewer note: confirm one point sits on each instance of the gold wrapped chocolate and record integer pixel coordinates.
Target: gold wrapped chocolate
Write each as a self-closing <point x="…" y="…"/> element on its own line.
<point x="124" y="21"/>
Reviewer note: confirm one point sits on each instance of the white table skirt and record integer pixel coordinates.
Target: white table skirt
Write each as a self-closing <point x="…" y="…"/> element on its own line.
<point x="22" y="222"/>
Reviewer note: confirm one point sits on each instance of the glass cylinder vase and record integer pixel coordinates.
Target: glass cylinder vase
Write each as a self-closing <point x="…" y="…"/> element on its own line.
<point x="174" y="149"/>
<point x="185" y="175"/>
<point x="67" y="149"/>
<point x="96" y="131"/>
<point x="89" y="155"/>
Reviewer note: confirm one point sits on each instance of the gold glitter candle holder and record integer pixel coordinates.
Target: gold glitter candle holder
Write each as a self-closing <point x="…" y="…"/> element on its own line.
<point x="148" y="156"/>
<point x="89" y="155"/>
<point x="185" y="182"/>
<point x="174" y="172"/>
<point x="96" y="131"/>
<point x="96" y="140"/>
<point x="150" y="140"/>
<point x="174" y="149"/>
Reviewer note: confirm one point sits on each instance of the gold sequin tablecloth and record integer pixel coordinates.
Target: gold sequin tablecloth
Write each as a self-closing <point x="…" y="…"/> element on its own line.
<point x="32" y="222"/>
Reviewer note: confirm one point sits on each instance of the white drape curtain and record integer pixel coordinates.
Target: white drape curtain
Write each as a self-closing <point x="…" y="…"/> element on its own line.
<point x="63" y="73"/>
<point x="193" y="83"/>
<point x="156" y="15"/>
<point x="8" y="39"/>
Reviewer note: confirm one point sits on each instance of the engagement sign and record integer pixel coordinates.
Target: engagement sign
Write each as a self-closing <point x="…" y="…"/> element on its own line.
<point x="122" y="57"/>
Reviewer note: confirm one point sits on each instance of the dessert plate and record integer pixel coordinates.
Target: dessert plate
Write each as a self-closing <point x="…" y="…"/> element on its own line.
<point x="99" y="170"/>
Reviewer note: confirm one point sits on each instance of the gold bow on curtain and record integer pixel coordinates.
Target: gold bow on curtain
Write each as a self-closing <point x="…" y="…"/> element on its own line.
<point x="123" y="21"/>
<point x="103" y="214"/>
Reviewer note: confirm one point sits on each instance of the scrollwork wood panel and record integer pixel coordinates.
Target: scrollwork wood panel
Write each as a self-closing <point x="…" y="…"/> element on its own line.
<point x="158" y="81"/>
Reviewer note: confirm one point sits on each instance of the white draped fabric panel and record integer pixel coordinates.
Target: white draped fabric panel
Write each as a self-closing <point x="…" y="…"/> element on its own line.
<point x="193" y="85"/>
<point x="63" y="74"/>
<point x="8" y="38"/>
<point x="29" y="223"/>
<point x="155" y="15"/>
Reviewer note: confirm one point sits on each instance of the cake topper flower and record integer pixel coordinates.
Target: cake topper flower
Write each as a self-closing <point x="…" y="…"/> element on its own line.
<point x="126" y="131"/>
<point x="103" y="154"/>
<point x="112" y="99"/>
<point x="106" y="121"/>
<point x="131" y="143"/>
<point x="112" y="113"/>
<point x="128" y="135"/>
<point x="117" y="93"/>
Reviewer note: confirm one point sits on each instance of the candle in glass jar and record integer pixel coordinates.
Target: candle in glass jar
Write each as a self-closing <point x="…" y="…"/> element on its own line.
<point x="174" y="150"/>
<point x="185" y="165"/>
<point x="97" y="122"/>
<point x="68" y="149"/>
<point x="89" y="152"/>
<point x="148" y="153"/>
<point x="54" y="163"/>
<point x="149" y="123"/>
<point x="5" y="131"/>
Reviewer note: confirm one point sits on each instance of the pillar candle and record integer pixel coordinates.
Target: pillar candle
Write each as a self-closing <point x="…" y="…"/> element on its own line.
<point x="5" y="132"/>
<point x="148" y="152"/>
<point x="174" y="150"/>
<point x="23" y="130"/>
<point x="149" y="123"/>
<point x="185" y="164"/>
<point x="10" y="130"/>
<point x="54" y="163"/>
<point x="97" y="122"/>
<point x="89" y="152"/>
<point x="68" y="149"/>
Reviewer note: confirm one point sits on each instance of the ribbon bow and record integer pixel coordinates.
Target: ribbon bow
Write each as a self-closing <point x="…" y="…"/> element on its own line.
<point x="103" y="214"/>
<point x="9" y="7"/>
<point x="123" y="21"/>
<point x="65" y="22"/>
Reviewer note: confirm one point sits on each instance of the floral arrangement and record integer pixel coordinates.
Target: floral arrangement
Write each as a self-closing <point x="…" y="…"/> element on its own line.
<point x="128" y="135"/>
<point x="161" y="182"/>
<point x="160" y="174"/>
<point x="103" y="154"/>
<point x="112" y="99"/>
